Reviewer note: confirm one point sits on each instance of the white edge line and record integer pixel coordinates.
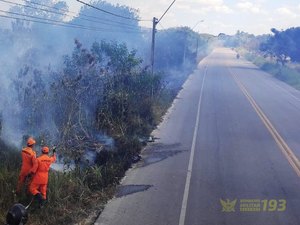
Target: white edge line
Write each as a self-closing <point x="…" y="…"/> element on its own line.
<point x="285" y="90"/>
<point x="171" y="108"/>
<point x="191" y="160"/>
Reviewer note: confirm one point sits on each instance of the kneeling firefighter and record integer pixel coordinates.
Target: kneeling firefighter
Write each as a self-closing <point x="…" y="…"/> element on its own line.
<point x="38" y="185"/>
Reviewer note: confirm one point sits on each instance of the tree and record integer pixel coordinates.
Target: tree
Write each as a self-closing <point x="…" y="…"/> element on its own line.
<point x="108" y="27"/>
<point x="32" y="99"/>
<point x="283" y="45"/>
<point x="127" y="100"/>
<point x="103" y="89"/>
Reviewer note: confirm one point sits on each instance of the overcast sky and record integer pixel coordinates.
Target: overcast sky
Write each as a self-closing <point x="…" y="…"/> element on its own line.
<point x="220" y="16"/>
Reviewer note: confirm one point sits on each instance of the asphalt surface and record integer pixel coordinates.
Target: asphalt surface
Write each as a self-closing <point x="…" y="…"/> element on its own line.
<point x="232" y="134"/>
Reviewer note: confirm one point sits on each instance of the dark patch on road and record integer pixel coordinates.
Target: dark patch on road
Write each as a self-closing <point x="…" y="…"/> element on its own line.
<point x="156" y="157"/>
<point x="158" y="152"/>
<point x="124" y="190"/>
<point x="159" y="147"/>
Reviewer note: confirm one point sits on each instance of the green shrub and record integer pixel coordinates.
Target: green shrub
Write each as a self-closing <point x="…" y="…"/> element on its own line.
<point x="284" y="73"/>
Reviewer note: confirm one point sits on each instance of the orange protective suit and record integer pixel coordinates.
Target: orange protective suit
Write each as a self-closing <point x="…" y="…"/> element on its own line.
<point x="40" y="179"/>
<point x="28" y="162"/>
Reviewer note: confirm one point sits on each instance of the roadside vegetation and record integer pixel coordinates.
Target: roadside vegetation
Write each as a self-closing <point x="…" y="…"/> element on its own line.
<point x="288" y="73"/>
<point x="277" y="53"/>
<point x="74" y="196"/>
<point x="98" y="103"/>
<point x="127" y="102"/>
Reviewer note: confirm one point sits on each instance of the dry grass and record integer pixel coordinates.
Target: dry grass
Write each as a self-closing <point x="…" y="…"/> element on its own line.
<point x="288" y="74"/>
<point x="71" y="198"/>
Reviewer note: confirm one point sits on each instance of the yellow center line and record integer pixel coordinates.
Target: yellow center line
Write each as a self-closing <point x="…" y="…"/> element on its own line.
<point x="283" y="146"/>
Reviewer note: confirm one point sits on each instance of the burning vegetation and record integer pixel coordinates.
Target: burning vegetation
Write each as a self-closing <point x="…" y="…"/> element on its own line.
<point x="96" y="101"/>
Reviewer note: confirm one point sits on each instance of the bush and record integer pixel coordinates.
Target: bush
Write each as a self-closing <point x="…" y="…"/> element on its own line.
<point x="9" y="167"/>
<point x="72" y="196"/>
<point x="284" y="73"/>
<point x="104" y="89"/>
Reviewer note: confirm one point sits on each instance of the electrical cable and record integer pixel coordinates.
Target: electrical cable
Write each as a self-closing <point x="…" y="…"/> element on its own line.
<point x="161" y="26"/>
<point x="65" y="14"/>
<point x="165" y="11"/>
<point x="110" y="13"/>
<point x="28" y="6"/>
<point x="74" y="13"/>
<point x="59" y="23"/>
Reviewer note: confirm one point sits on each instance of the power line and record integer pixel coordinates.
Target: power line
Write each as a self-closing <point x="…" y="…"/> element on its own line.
<point x="78" y="14"/>
<point x="161" y="26"/>
<point x="28" y="6"/>
<point x="59" y="23"/>
<point x="45" y="19"/>
<point x="66" y="14"/>
<point x="42" y="22"/>
<point x="165" y="11"/>
<point x="110" y="13"/>
<point x="62" y="25"/>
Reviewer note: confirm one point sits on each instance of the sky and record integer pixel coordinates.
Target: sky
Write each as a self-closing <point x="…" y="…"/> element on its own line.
<point x="220" y="16"/>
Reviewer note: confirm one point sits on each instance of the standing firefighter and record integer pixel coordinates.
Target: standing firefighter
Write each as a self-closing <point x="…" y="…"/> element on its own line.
<point x="28" y="162"/>
<point x="38" y="186"/>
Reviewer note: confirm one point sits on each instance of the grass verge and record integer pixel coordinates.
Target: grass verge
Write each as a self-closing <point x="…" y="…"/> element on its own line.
<point x="72" y="196"/>
<point x="284" y="73"/>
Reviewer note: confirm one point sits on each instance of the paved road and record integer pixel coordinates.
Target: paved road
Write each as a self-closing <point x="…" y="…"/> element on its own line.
<point x="232" y="134"/>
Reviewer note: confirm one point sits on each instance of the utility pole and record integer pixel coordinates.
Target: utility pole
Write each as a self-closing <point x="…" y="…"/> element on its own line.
<point x="184" y="52"/>
<point x="197" y="48"/>
<point x="155" y="22"/>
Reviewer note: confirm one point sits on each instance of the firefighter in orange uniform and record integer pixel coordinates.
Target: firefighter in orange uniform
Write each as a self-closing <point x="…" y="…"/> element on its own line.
<point x="28" y="162"/>
<point x="38" y="186"/>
